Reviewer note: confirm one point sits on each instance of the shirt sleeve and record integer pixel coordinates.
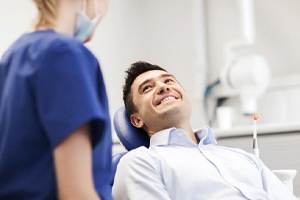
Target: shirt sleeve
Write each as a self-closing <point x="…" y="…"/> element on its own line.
<point x="138" y="178"/>
<point x="273" y="186"/>
<point x="66" y="90"/>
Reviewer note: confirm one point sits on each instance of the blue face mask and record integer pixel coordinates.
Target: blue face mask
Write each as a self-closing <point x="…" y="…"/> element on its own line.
<point x="84" y="26"/>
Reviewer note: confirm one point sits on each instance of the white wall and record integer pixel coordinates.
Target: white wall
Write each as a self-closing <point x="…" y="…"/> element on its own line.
<point x="15" y="18"/>
<point x="277" y="27"/>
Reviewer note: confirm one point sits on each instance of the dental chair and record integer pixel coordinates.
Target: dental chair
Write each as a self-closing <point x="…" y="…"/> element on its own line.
<point x="130" y="137"/>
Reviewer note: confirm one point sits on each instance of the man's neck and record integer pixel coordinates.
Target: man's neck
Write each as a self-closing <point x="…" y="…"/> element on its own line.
<point x="188" y="129"/>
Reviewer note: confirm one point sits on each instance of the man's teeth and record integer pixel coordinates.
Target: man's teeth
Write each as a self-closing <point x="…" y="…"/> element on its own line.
<point x="167" y="99"/>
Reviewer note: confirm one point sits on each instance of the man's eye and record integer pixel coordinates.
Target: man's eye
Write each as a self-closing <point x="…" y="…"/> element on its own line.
<point x="146" y="88"/>
<point x="168" y="80"/>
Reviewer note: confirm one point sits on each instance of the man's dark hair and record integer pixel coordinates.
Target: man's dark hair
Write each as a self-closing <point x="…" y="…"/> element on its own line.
<point x="132" y="72"/>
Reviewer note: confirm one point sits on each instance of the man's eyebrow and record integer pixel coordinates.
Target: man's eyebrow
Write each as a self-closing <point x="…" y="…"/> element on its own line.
<point x="148" y="80"/>
<point x="167" y="75"/>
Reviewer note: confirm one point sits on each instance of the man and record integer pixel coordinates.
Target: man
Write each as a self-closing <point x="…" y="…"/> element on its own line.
<point x="180" y="163"/>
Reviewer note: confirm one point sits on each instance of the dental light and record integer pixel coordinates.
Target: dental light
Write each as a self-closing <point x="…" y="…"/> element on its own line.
<point x="249" y="75"/>
<point x="246" y="72"/>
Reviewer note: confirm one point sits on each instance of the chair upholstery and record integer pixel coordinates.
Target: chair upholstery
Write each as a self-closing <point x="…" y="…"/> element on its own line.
<point x="115" y="160"/>
<point x="130" y="137"/>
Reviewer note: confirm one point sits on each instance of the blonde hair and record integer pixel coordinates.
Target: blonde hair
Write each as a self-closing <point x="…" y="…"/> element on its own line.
<point x="46" y="13"/>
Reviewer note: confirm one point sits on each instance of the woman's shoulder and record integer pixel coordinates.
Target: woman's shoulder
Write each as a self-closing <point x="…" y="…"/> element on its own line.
<point x="60" y="42"/>
<point x="49" y="40"/>
<point x="50" y="44"/>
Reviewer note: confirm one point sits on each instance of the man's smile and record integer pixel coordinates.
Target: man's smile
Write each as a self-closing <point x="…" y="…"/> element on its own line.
<point x="166" y="99"/>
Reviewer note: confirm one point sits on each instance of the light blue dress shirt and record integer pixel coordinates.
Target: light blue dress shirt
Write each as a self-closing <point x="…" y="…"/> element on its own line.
<point x="174" y="167"/>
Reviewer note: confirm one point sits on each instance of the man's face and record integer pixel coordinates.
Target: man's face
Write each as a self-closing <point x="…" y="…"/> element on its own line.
<point x="160" y="101"/>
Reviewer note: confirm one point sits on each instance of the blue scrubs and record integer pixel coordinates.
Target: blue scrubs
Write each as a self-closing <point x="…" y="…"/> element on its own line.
<point x="50" y="85"/>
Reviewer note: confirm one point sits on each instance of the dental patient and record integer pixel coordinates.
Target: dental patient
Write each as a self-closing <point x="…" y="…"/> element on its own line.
<point x="181" y="164"/>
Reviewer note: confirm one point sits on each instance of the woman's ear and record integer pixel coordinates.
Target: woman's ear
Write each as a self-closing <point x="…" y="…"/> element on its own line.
<point x="136" y="121"/>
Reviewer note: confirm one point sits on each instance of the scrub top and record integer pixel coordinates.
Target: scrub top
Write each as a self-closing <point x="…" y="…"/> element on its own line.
<point x="50" y="85"/>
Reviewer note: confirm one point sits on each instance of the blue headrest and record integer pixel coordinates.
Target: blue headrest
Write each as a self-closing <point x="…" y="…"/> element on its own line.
<point x="114" y="163"/>
<point x="129" y="136"/>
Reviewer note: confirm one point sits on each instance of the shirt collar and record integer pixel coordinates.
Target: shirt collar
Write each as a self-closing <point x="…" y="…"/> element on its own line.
<point x="161" y="137"/>
<point x="206" y="136"/>
<point x="165" y="137"/>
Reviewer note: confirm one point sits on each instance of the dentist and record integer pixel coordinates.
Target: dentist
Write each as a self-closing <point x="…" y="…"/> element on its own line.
<point x="55" y="134"/>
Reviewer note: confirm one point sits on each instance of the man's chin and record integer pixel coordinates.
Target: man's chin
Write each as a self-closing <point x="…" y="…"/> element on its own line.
<point x="170" y="111"/>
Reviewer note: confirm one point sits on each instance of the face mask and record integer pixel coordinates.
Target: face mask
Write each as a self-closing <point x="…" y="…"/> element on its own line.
<point x="84" y="26"/>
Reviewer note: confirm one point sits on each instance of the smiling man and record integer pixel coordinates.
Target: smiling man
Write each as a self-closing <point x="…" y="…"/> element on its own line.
<point x="180" y="163"/>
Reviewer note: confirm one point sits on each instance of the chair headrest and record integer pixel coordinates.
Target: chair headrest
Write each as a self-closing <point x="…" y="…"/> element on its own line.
<point x="129" y="136"/>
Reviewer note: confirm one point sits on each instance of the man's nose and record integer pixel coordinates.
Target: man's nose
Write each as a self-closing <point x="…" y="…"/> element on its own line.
<point x="162" y="88"/>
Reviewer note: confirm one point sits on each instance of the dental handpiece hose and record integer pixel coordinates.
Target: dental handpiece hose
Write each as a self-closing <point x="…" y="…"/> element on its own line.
<point x="255" y="143"/>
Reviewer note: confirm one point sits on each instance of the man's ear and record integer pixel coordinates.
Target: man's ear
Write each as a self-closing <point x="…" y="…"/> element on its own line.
<point x="136" y="121"/>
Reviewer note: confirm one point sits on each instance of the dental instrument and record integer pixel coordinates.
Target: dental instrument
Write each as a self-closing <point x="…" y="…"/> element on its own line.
<point x="255" y="143"/>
